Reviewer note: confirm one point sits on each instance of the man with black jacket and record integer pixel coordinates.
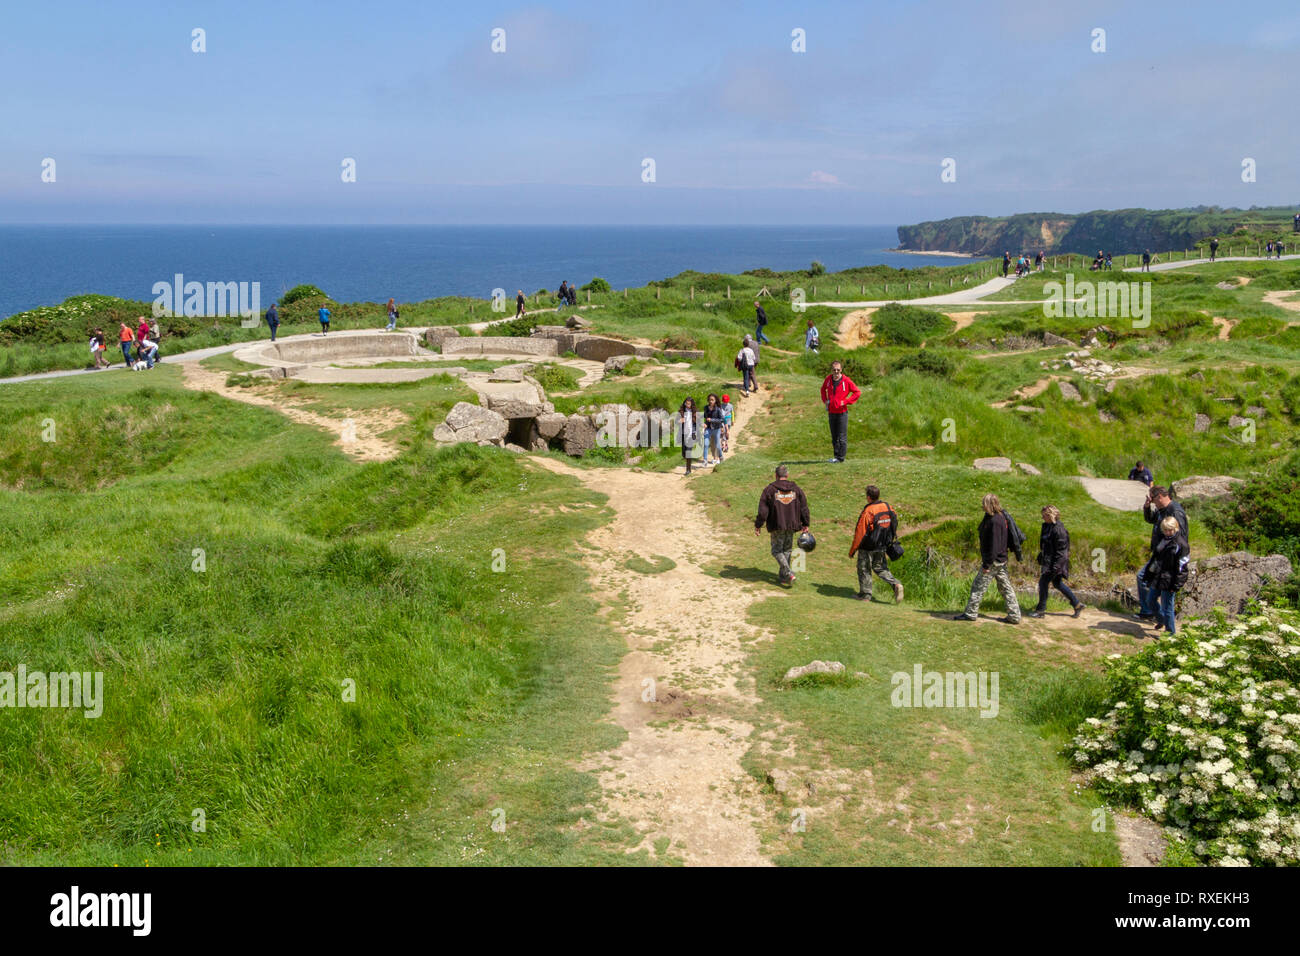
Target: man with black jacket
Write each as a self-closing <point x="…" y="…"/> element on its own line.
<point x="761" y="317"/>
<point x="995" y="539"/>
<point x="1158" y="506"/>
<point x="783" y="508"/>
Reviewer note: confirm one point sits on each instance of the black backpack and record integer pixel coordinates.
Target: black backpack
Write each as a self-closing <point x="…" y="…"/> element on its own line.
<point x="1015" y="537"/>
<point x="884" y="529"/>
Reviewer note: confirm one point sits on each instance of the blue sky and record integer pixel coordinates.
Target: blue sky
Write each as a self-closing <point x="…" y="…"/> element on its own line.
<point x="741" y="128"/>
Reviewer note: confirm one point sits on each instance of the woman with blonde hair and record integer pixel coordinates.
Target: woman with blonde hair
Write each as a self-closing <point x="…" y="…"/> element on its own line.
<point x="995" y="538"/>
<point x="1054" y="559"/>
<point x="1168" y="570"/>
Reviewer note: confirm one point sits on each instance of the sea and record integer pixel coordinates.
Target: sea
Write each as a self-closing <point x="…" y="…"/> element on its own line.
<point x="45" y="264"/>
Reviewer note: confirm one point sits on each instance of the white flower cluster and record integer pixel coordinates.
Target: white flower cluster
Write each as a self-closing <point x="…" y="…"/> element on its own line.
<point x="1204" y="737"/>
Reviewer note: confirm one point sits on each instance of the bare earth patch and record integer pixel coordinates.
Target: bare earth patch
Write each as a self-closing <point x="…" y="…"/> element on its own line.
<point x="963" y="319"/>
<point x="1283" y="299"/>
<point x="358" y="431"/>
<point x="855" y="329"/>
<point x="680" y="693"/>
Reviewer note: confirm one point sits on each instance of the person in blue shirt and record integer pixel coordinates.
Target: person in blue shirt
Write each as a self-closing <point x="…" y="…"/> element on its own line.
<point x="324" y="315"/>
<point x="811" y="339"/>
<point x="1142" y="473"/>
<point x="272" y="320"/>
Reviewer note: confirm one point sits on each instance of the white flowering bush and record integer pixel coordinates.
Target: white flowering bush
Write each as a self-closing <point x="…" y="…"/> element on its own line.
<point x="1204" y="736"/>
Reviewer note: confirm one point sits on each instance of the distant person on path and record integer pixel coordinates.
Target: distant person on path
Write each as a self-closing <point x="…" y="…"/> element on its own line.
<point x="727" y="418"/>
<point x="97" y="347"/>
<point x="519" y="303"/>
<point x="1142" y="473"/>
<point x="1146" y="260"/>
<point x="1006" y="263"/>
<point x="125" y="338"/>
<point x="563" y="295"/>
<point x="783" y="509"/>
<point x="1278" y="247"/>
<point x="688" y="432"/>
<point x="1109" y="264"/>
<point x="995" y="539"/>
<point x="324" y="315"/>
<point x="392" y="315"/>
<point x="713" y="425"/>
<point x="1042" y="260"/>
<point x="838" y="393"/>
<point x="1214" y="248"/>
<point x="273" y="320"/>
<point x="1054" y="560"/>
<point x="573" y="294"/>
<point x="745" y="362"/>
<point x="876" y="530"/>
<point x="1167" y="571"/>
<point x="142" y="330"/>
<point x="1158" y="506"/>
<point x="812" y="341"/>
<point x="762" y="321"/>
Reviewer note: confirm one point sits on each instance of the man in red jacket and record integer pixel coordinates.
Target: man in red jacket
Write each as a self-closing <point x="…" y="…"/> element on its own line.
<point x="838" y="393"/>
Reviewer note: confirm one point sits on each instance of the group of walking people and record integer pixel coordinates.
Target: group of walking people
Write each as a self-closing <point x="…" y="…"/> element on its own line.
<point x="704" y="434"/>
<point x="139" y="345"/>
<point x="783" y="510"/>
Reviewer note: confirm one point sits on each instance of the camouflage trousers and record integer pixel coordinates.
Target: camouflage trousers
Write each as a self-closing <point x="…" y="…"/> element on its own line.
<point x="998" y="574"/>
<point x="782" y="546"/>
<point x="869" y="561"/>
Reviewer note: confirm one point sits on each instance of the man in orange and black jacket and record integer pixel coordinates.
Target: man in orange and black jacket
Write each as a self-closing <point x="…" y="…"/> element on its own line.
<point x="875" y="530"/>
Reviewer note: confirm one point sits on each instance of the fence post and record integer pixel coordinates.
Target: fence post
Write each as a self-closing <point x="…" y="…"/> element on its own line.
<point x="625" y="292"/>
<point x="656" y="292"/>
<point x="728" y="291"/>
<point x="692" y="293"/>
<point x="837" y="290"/>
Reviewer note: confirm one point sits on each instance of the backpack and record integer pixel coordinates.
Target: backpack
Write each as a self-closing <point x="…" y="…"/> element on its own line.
<point x="816" y="343"/>
<point x="884" y="528"/>
<point x="1015" y="537"/>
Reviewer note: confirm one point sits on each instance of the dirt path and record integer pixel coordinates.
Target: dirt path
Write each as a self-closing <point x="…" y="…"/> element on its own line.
<point x="1118" y="493"/>
<point x="358" y="431"/>
<point x="1283" y="299"/>
<point x="855" y="329"/>
<point x="678" y="776"/>
<point x="1225" y="326"/>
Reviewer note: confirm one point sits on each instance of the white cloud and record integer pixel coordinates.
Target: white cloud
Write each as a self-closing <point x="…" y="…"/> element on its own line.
<point x="821" y="178"/>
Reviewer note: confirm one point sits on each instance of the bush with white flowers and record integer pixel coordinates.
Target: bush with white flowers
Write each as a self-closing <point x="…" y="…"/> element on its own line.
<point x="1204" y="737"/>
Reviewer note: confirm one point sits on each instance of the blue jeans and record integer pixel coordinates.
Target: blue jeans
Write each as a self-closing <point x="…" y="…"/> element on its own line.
<point x="151" y="356"/>
<point x="126" y="353"/>
<point x="273" y="330"/>
<point x="759" y="336"/>
<point x="712" y="440"/>
<point x="748" y="384"/>
<point x="1165" y="614"/>
<point x="1146" y="595"/>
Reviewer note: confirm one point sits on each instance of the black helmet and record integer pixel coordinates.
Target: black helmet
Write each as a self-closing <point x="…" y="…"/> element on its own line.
<point x="806" y="541"/>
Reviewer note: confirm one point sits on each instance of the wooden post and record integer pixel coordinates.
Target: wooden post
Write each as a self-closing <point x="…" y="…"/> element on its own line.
<point x="692" y="293"/>
<point x="864" y="290"/>
<point x="837" y="290"/>
<point x="656" y="292"/>
<point x="886" y="288"/>
<point x="728" y="290"/>
<point x="588" y="295"/>
<point x="625" y="292"/>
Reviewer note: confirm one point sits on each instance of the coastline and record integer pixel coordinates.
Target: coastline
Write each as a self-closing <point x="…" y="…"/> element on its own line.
<point x="923" y="252"/>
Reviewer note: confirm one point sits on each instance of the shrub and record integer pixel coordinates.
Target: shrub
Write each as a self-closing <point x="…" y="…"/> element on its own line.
<point x="1204" y="736"/>
<point x="816" y="269"/>
<point x="1263" y="514"/>
<point x="679" y="341"/>
<point x="521" y="327"/>
<point x="928" y="362"/>
<point x="597" y="284"/>
<point x="302" y="292"/>
<point x="557" y="377"/>
<point x="896" y="324"/>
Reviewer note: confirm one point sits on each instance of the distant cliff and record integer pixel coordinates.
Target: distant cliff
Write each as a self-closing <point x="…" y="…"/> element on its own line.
<point x="1119" y="230"/>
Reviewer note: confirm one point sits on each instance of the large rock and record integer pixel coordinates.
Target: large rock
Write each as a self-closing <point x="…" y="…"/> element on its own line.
<point x="476" y="423"/>
<point x="577" y="322"/>
<point x="683" y="355"/>
<point x="1027" y="468"/>
<point x="1229" y="581"/>
<point x="992" y="464"/>
<point x="815" y="667"/>
<point x="617" y="363"/>
<point x="434" y="337"/>
<point x="579" y="435"/>
<point x="550" y="424"/>
<point x="441" y="432"/>
<point x="1202" y="423"/>
<point x="1051" y="338"/>
<point x="1202" y="486"/>
<point x="1069" y="392"/>
<point x="514" y="408"/>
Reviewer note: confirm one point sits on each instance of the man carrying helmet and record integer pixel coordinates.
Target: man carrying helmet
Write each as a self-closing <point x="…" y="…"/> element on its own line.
<point x="877" y="528"/>
<point x="783" y="508"/>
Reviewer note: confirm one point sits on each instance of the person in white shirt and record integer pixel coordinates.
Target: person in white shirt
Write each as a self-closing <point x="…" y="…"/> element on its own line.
<point x="745" y="361"/>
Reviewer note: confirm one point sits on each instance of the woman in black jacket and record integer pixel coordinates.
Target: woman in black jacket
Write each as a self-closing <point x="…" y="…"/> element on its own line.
<point x="1054" y="559"/>
<point x="1168" y="570"/>
<point x="688" y="432"/>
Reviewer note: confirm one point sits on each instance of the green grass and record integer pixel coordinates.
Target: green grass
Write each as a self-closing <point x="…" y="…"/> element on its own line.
<point x="655" y="564"/>
<point x="224" y="686"/>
